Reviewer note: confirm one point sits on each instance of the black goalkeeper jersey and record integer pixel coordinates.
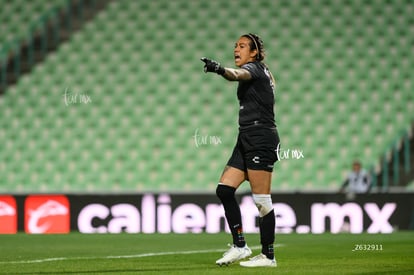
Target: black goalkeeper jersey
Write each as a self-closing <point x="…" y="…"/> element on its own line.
<point x="256" y="97"/>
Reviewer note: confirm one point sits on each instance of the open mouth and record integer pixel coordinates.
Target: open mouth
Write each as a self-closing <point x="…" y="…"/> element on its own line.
<point x="236" y="57"/>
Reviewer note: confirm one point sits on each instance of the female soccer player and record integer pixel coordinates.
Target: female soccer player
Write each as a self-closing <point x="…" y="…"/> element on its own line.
<point x="254" y="155"/>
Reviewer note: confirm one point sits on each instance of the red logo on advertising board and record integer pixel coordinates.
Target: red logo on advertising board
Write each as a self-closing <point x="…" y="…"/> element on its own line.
<point x="8" y="215"/>
<point x="47" y="214"/>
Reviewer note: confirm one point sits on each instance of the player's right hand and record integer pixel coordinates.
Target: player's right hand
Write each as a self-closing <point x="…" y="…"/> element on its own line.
<point x="212" y="66"/>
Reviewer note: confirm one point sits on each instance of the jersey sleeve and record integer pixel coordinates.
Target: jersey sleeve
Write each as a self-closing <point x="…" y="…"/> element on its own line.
<point x="253" y="69"/>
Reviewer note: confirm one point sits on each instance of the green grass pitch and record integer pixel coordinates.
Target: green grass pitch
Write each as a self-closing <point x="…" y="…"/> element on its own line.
<point x="196" y="254"/>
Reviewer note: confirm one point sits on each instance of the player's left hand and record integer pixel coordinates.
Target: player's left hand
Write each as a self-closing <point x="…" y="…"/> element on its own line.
<point x="212" y="66"/>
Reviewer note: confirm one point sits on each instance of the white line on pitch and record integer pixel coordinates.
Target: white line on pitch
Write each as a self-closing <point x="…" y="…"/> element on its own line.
<point x="124" y="256"/>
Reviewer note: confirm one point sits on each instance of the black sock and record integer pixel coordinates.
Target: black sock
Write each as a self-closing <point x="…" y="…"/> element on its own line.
<point x="267" y="234"/>
<point x="232" y="212"/>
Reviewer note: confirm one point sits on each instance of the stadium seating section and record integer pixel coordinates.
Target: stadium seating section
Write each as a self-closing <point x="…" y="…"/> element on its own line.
<point x="20" y="16"/>
<point x="124" y="105"/>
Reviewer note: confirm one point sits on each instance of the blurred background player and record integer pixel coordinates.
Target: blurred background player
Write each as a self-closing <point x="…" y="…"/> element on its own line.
<point x="358" y="180"/>
<point x="254" y="154"/>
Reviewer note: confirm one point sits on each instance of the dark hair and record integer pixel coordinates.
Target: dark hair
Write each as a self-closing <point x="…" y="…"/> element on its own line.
<point x="357" y="162"/>
<point x="256" y="43"/>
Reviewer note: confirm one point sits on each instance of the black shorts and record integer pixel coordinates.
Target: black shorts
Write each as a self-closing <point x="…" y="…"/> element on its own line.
<point x="255" y="149"/>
